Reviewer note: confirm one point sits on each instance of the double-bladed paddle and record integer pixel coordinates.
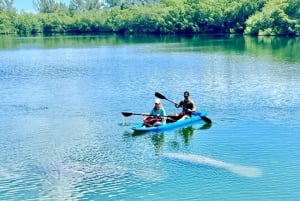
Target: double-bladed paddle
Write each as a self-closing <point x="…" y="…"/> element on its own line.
<point x="204" y="118"/>
<point x="128" y="114"/>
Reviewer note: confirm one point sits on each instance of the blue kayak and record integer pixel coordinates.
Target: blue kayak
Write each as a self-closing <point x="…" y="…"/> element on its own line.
<point x="198" y="116"/>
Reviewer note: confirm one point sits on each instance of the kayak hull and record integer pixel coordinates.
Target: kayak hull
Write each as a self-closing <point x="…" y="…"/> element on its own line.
<point x="168" y="126"/>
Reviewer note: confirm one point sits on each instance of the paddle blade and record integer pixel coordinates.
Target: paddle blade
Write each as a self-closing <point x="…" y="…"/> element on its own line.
<point x="205" y="126"/>
<point x="126" y="114"/>
<point x="158" y="95"/>
<point x="207" y="120"/>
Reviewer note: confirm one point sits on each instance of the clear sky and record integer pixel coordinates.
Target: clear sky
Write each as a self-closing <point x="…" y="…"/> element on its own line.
<point x="27" y="5"/>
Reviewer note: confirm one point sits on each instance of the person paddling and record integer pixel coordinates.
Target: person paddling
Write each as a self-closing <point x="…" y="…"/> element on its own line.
<point x="157" y="115"/>
<point x="188" y="106"/>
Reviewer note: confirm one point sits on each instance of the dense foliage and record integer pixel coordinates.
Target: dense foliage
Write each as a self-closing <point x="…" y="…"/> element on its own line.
<point x="255" y="17"/>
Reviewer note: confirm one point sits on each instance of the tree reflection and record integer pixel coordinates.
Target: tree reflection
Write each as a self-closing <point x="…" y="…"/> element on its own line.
<point x="187" y="134"/>
<point x="158" y="140"/>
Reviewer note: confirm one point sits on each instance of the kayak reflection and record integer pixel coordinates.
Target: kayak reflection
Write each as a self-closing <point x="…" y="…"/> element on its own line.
<point x="182" y="137"/>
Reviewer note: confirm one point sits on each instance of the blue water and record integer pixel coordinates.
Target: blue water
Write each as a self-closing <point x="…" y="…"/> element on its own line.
<point x="63" y="136"/>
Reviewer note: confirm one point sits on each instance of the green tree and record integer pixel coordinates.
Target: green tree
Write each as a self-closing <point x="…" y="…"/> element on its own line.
<point x="48" y="6"/>
<point x="6" y="26"/>
<point x="55" y="22"/>
<point x="93" y="4"/>
<point x="27" y="24"/>
<point x="7" y="6"/>
<point x="84" y="5"/>
<point x="258" y="17"/>
<point x="274" y="19"/>
<point x="293" y="9"/>
<point x="77" y="6"/>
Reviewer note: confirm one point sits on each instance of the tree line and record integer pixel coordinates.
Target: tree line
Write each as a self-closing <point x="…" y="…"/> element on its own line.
<point x="252" y="17"/>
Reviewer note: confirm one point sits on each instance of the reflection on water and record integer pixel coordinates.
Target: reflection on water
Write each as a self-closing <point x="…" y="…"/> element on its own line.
<point x="63" y="135"/>
<point x="158" y="141"/>
<point x="205" y="161"/>
<point x="186" y="133"/>
<point x="276" y="47"/>
<point x="205" y="126"/>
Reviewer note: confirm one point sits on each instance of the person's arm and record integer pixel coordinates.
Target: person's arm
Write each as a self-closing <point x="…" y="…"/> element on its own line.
<point x="193" y="106"/>
<point x="179" y="105"/>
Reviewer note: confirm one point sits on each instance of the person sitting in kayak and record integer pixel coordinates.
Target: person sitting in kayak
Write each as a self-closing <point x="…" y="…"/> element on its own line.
<point x="157" y="115"/>
<point x="188" y="107"/>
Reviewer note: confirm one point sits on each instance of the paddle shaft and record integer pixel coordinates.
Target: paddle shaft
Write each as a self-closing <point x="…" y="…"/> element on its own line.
<point x="127" y="114"/>
<point x="158" y="95"/>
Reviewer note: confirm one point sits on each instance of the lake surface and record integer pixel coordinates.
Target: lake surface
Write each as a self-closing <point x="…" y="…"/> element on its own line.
<point x="63" y="136"/>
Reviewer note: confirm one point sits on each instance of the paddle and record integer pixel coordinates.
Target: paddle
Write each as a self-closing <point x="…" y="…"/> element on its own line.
<point x="127" y="114"/>
<point x="204" y="118"/>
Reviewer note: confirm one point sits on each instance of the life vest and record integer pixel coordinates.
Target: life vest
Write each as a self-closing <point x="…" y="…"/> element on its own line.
<point x="150" y="121"/>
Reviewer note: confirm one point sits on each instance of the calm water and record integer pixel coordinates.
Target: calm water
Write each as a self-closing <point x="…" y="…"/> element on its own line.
<point x="63" y="136"/>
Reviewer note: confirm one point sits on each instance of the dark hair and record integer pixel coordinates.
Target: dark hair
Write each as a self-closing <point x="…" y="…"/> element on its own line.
<point x="186" y="93"/>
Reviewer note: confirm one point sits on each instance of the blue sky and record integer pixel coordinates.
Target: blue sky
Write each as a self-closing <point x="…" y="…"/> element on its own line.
<point x="27" y="5"/>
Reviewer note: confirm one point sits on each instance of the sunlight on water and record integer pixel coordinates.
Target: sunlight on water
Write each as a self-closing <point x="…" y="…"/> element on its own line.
<point x="201" y="160"/>
<point x="6" y="174"/>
